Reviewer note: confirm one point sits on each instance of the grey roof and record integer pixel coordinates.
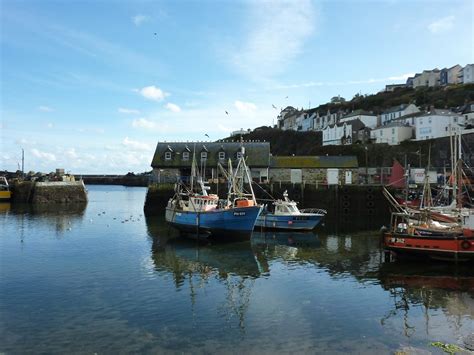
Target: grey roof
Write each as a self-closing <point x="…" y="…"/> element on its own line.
<point x="356" y="124"/>
<point x="395" y="108"/>
<point x="440" y="112"/>
<point x="410" y="115"/>
<point x="257" y="153"/>
<point x="359" y="112"/>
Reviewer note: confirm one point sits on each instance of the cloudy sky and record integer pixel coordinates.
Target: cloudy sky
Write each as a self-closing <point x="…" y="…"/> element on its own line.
<point x="92" y="86"/>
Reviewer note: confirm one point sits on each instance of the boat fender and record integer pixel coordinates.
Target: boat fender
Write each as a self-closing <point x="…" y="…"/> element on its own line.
<point x="465" y="244"/>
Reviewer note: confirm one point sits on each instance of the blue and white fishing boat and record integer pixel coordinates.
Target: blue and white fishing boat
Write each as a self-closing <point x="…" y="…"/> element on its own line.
<point x="201" y="213"/>
<point x="286" y="215"/>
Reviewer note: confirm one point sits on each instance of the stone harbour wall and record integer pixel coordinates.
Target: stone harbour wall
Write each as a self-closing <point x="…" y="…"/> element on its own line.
<point x="49" y="192"/>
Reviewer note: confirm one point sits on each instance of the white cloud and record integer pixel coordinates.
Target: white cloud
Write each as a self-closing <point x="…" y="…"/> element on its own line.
<point x="153" y="93"/>
<point x="442" y="25"/>
<point x="45" y="108"/>
<point x="172" y="107"/>
<point x="277" y="33"/>
<point x="402" y="77"/>
<point x="139" y="19"/>
<point x="135" y="145"/>
<point x="245" y="107"/>
<point x="128" y="111"/>
<point x="143" y="123"/>
<point x="71" y="153"/>
<point x="43" y="155"/>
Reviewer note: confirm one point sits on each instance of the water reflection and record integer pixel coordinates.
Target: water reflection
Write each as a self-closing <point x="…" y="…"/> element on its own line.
<point x="60" y="217"/>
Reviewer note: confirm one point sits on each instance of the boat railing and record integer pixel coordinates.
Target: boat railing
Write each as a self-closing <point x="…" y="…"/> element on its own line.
<point x="314" y="210"/>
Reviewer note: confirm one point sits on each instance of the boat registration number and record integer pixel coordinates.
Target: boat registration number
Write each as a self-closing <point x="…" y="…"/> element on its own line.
<point x="239" y="213"/>
<point x="397" y="240"/>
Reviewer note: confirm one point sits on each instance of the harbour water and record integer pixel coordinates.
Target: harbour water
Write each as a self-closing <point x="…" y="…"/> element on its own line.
<point x="102" y="278"/>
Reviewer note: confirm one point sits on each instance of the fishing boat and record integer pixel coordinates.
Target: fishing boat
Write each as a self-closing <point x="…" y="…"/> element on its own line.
<point x="420" y="235"/>
<point x="198" y="213"/>
<point x="286" y="215"/>
<point x="5" y="193"/>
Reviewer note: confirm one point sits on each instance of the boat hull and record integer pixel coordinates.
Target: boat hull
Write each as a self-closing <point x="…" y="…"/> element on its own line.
<point x="452" y="246"/>
<point x="288" y="222"/>
<point x="224" y="223"/>
<point x="5" y="196"/>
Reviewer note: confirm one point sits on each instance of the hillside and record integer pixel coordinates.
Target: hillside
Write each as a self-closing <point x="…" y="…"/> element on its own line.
<point x="438" y="97"/>
<point x="309" y="143"/>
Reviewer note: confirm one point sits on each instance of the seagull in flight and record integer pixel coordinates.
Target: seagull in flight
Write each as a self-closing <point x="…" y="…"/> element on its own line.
<point x="226" y="113"/>
<point x="207" y="135"/>
<point x="286" y="97"/>
<point x="274" y="106"/>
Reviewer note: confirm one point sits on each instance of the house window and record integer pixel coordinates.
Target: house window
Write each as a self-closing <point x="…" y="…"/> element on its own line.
<point x="393" y="130"/>
<point x="381" y="133"/>
<point x="221" y="155"/>
<point x="168" y="156"/>
<point x="203" y="155"/>
<point x="239" y="155"/>
<point x="421" y="120"/>
<point x="185" y="156"/>
<point x="455" y="119"/>
<point x="429" y="120"/>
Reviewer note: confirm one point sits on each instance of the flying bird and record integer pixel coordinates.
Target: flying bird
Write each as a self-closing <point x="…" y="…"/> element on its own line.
<point x="286" y="97"/>
<point x="226" y="113"/>
<point x="274" y="106"/>
<point x="207" y="135"/>
<point x="155" y="33"/>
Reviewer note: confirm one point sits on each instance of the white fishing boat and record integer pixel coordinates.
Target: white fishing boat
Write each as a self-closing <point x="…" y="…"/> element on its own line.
<point x="286" y="215"/>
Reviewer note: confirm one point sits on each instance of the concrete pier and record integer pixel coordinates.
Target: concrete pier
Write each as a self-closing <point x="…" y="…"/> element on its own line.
<point x="49" y="192"/>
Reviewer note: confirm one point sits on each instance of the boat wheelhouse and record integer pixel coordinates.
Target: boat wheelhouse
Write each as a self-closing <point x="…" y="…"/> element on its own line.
<point x="286" y="215"/>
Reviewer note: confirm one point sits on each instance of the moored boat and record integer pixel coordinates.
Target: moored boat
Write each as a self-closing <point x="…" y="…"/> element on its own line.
<point x="286" y="215"/>
<point x="201" y="213"/>
<point x="409" y="236"/>
<point x="5" y="193"/>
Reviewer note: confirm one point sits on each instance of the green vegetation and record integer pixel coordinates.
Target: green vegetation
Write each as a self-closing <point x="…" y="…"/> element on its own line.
<point x="425" y="97"/>
<point x="447" y="348"/>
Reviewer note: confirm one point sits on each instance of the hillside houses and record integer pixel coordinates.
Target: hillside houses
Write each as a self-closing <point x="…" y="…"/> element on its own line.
<point x="392" y="126"/>
<point x="446" y="76"/>
<point x="396" y="112"/>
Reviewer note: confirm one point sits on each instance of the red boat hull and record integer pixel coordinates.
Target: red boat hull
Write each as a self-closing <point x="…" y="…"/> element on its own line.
<point x="448" y="247"/>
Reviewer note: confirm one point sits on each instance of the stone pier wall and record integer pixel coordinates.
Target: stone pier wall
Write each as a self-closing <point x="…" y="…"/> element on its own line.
<point x="49" y="192"/>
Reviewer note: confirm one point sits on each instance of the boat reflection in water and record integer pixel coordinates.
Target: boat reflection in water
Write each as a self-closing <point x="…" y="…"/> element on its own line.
<point x="421" y="303"/>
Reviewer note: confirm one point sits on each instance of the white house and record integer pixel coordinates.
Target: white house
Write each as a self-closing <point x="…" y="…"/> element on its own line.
<point x="436" y="124"/>
<point x="367" y="118"/>
<point x="396" y="112"/>
<point x="342" y="133"/>
<point x="322" y="120"/>
<point x="468" y="74"/>
<point x="393" y="133"/>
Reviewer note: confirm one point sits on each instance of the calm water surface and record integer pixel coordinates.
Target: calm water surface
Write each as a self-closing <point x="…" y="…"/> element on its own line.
<point x="105" y="279"/>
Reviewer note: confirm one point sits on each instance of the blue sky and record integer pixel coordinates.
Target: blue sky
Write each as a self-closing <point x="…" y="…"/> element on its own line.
<point x="92" y="86"/>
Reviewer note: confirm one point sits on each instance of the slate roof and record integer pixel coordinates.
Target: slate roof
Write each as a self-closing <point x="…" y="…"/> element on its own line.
<point x="257" y="153"/>
<point x="359" y="112"/>
<point x="356" y="124"/>
<point x="315" y="162"/>
<point x="395" y="108"/>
